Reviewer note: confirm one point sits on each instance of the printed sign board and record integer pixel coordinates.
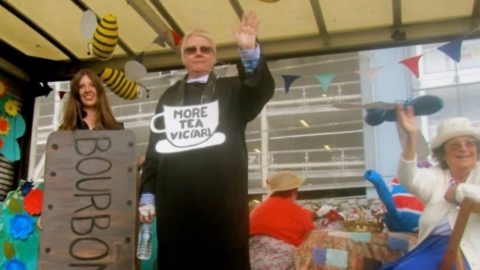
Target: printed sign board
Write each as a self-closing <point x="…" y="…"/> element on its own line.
<point x="90" y="201"/>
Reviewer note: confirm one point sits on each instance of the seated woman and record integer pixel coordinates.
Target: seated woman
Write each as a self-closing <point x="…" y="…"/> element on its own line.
<point x="441" y="188"/>
<point x="278" y="225"/>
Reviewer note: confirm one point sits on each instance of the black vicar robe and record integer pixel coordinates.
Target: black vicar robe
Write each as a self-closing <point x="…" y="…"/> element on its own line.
<point x="202" y="194"/>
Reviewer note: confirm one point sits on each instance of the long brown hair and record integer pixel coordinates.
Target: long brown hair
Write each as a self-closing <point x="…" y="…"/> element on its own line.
<point x="104" y="119"/>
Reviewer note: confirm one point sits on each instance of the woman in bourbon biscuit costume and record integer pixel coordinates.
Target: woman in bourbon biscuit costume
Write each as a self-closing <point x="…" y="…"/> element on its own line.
<point x="87" y="108"/>
<point x="441" y="188"/>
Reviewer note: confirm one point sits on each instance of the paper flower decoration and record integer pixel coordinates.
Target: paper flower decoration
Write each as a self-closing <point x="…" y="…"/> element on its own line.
<point x="4" y="125"/>
<point x="26" y="187"/>
<point x="14" y="264"/>
<point x="21" y="225"/>
<point x="11" y="149"/>
<point x="33" y="202"/>
<point x="11" y="107"/>
<point x="3" y="88"/>
<point x="1" y="143"/>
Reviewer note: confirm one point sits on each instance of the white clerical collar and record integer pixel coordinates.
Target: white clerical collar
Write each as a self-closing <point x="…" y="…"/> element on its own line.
<point x="202" y="79"/>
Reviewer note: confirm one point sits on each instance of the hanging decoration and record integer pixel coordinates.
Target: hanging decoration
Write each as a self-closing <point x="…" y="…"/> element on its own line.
<point x="453" y="49"/>
<point x="88" y="24"/>
<point x="412" y="64"/>
<point x="134" y="70"/>
<point x="177" y="39"/>
<point x="160" y="41"/>
<point x="62" y="94"/>
<point x="41" y="89"/>
<point x="289" y="79"/>
<point x="120" y="86"/>
<point x="325" y="80"/>
<point x="370" y="73"/>
<point x="104" y="38"/>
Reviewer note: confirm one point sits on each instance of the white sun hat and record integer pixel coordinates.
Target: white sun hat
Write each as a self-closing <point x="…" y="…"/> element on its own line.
<point x="454" y="127"/>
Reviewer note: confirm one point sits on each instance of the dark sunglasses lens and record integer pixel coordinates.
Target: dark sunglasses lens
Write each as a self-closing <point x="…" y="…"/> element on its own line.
<point x="205" y="49"/>
<point x="190" y="50"/>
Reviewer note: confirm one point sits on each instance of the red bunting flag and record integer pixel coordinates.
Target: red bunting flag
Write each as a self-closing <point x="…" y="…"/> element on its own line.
<point x="412" y="64"/>
<point x="177" y="39"/>
<point x="62" y="93"/>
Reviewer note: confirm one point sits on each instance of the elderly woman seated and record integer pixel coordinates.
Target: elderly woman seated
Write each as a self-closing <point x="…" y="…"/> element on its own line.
<point x="278" y="225"/>
<point x="441" y="188"/>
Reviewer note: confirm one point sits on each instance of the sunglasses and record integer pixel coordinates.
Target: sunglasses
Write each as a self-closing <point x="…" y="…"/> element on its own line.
<point x="193" y="50"/>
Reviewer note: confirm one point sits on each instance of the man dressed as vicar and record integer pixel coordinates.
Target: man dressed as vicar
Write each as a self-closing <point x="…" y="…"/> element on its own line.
<point x="198" y="187"/>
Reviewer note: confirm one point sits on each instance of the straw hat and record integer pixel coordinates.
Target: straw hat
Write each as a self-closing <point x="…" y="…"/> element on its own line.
<point x="284" y="180"/>
<point x="454" y="127"/>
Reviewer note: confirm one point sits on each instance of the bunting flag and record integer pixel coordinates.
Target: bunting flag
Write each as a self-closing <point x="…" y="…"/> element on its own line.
<point x="159" y="41"/>
<point x="62" y="94"/>
<point x="289" y="79"/>
<point x="41" y="89"/>
<point x="139" y="58"/>
<point x="453" y="49"/>
<point x="177" y="39"/>
<point x="325" y="80"/>
<point x="370" y="73"/>
<point x="412" y="64"/>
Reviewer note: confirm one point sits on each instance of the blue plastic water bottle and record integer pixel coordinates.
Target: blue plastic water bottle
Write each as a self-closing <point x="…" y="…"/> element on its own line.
<point x="144" y="249"/>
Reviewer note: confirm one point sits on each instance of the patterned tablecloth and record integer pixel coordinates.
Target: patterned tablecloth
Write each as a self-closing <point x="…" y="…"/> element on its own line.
<point x="329" y="250"/>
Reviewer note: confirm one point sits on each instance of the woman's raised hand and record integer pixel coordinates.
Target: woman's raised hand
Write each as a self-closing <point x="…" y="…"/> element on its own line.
<point x="406" y="119"/>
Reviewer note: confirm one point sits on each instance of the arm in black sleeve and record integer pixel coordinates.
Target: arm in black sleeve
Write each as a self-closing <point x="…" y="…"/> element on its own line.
<point x="152" y="160"/>
<point x="256" y="90"/>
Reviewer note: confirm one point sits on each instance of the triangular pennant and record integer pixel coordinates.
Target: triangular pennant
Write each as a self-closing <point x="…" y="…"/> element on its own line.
<point x="412" y="64"/>
<point x="453" y="49"/>
<point x="139" y="58"/>
<point x="41" y="89"/>
<point x="325" y="80"/>
<point x="289" y="79"/>
<point x="62" y="94"/>
<point x="177" y="39"/>
<point x="369" y="73"/>
<point x="159" y="41"/>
